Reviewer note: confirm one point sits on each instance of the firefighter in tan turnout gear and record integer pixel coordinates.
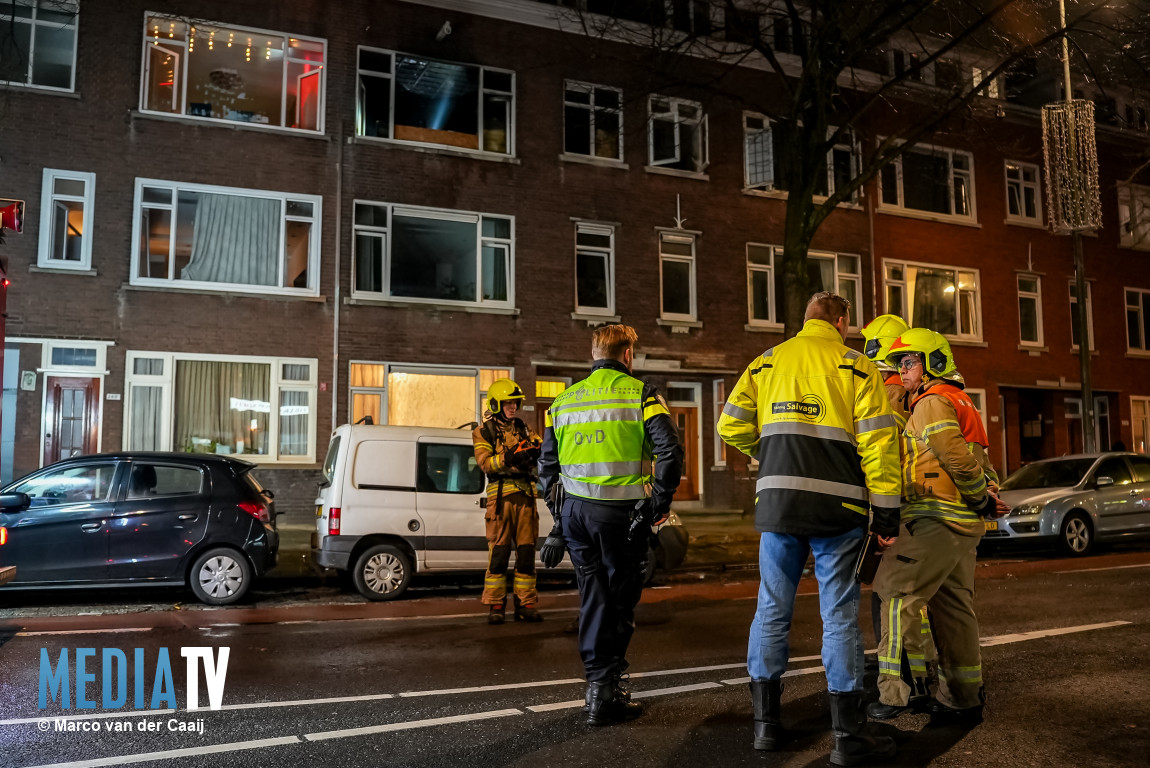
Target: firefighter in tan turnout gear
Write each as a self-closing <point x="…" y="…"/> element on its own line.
<point x="507" y="451"/>
<point x="948" y="489"/>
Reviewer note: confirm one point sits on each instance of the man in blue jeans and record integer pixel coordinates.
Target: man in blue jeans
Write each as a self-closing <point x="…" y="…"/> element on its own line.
<point x="816" y="415"/>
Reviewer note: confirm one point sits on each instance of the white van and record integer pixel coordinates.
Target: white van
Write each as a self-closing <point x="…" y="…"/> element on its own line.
<point x="401" y="501"/>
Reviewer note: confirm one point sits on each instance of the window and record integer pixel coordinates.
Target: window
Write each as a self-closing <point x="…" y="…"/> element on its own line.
<point x="761" y="284"/>
<point x="718" y="400"/>
<point x="149" y="480"/>
<point x="1030" y="310"/>
<point x="1134" y="216"/>
<point x="759" y="153"/>
<point x="677" y="275"/>
<point x="978" y="397"/>
<point x="1141" y="466"/>
<point x="838" y="272"/>
<point x="765" y="144"/>
<point x="432" y="255"/>
<point x="1023" y="203"/>
<point x="549" y="389"/>
<point x="1074" y="317"/>
<point x="932" y="180"/>
<point x="949" y="74"/>
<point x="1140" y="424"/>
<point x="38" y="43"/>
<point x="980" y="77"/>
<point x="944" y="299"/>
<point x="260" y="408"/>
<point x="224" y="238"/>
<point x="441" y="103"/>
<point x="448" y="469"/>
<point x="1115" y="468"/>
<point x="692" y="16"/>
<point x="592" y="120"/>
<point x="66" y="219"/>
<point x="414" y="395"/>
<point x="83" y="484"/>
<point x="208" y="71"/>
<point x="594" y="269"/>
<point x="677" y="134"/>
<point x="1138" y="319"/>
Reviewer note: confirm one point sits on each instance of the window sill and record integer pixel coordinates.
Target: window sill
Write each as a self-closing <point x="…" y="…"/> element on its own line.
<point x="224" y="293"/>
<point x="966" y="343"/>
<point x="595" y="320"/>
<point x="1143" y="354"/>
<point x="431" y="149"/>
<point x="718" y="467"/>
<point x="42" y="90"/>
<point x="695" y="175"/>
<point x="1133" y="247"/>
<point x="907" y="213"/>
<point x="1028" y="224"/>
<point x="235" y="125"/>
<point x="772" y="194"/>
<point x="438" y="307"/>
<point x="679" y="326"/>
<point x="602" y="162"/>
<point x="86" y="272"/>
<point x="1093" y="352"/>
<point x="1032" y="349"/>
<point x="773" y="328"/>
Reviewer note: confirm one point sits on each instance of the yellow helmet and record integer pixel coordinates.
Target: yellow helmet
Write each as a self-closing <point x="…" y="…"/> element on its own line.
<point x="501" y="390"/>
<point x="880" y="333"/>
<point x="938" y="360"/>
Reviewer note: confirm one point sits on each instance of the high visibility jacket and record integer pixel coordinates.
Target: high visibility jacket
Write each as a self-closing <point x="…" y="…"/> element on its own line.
<point x="816" y="415"/>
<point x="494" y="442"/>
<point x="610" y="438"/>
<point x="899" y="400"/>
<point x="946" y="470"/>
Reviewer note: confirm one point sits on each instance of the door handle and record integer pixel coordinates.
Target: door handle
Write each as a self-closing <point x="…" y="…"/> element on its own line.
<point x="187" y="517"/>
<point x="90" y="526"/>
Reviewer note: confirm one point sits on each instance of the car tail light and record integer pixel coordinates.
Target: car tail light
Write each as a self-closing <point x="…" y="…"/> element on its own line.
<point x="256" y="510"/>
<point x="333" y="521"/>
<point x="3" y="535"/>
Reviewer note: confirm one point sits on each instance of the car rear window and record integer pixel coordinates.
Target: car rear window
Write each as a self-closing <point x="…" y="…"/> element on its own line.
<point x="329" y="462"/>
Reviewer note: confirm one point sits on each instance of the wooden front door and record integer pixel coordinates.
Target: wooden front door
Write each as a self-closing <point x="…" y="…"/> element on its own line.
<point x="72" y="417"/>
<point x="687" y="422"/>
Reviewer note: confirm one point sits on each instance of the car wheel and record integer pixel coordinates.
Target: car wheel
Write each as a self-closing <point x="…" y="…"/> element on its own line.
<point x="1076" y="537"/>
<point x="220" y="576"/>
<point x="382" y="572"/>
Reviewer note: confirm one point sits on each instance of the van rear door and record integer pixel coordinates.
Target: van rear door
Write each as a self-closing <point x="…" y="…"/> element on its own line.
<point x="450" y="497"/>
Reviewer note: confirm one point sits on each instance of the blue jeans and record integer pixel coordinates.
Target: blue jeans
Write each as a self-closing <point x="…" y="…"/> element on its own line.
<point x="781" y="561"/>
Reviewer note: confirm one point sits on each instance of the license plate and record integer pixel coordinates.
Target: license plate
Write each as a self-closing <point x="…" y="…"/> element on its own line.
<point x="319" y="510"/>
<point x="992" y="525"/>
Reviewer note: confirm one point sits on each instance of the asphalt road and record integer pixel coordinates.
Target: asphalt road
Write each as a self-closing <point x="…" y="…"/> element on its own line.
<point x="425" y="682"/>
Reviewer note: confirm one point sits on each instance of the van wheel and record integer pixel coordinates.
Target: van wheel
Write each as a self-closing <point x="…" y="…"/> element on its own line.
<point x="382" y="572"/>
<point x="220" y="576"/>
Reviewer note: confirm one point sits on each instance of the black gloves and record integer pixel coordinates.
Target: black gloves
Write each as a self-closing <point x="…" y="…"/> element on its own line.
<point x="525" y="456"/>
<point x="991" y="507"/>
<point x="885" y="521"/>
<point x="551" y="553"/>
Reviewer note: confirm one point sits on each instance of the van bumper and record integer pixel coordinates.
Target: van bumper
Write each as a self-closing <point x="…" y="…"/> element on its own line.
<point x="334" y="552"/>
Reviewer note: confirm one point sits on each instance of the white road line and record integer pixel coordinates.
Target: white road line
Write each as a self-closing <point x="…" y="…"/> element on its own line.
<point x="788" y="673"/>
<point x="1039" y="633"/>
<point x="301" y="702"/>
<point x="170" y="754"/>
<point x="1111" y="568"/>
<point x="673" y="690"/>
<point x="410" y="724"/>
<point x="484" y="688"/>
<point x="133" y="713"/>
<point x="556" y="706"/>
<point x="84" y="631"/>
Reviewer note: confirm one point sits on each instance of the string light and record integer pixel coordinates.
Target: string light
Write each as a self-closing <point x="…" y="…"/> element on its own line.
<point x="172" y="29"/>
<point x="268" y="51"/>
<point x="156" y="33"/>
<point x="230" y="36"/>
<point x="192" y="41"/>
<point x="248" y="52"/>
<point x="211" y="39"/>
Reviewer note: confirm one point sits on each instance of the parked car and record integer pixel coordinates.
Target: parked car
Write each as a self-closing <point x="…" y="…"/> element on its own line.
<point x="402" y="501"/>
<point x="1076" y="501"/>
<point x="141" y="519"/>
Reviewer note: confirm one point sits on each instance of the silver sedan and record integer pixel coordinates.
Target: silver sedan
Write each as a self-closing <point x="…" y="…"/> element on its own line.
<point x="1076" y="501"/>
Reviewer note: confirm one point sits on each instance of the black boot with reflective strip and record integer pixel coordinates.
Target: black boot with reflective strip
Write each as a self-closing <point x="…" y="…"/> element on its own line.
<point x="609" y="703"/>
<point x="496" y="613"/>
<point x="766" y="698"/>
<point x="853" y="744"/>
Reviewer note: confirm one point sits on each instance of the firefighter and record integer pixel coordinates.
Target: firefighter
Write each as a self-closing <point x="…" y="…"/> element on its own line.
<point x="948" y="489"/>
<point x="815" y="414"/>
<point x="605" y="491"/>
<point x="879" y="334"/>
<point x="507" y="451"/>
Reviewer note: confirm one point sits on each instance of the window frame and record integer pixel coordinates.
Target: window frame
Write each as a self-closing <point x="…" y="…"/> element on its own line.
<point x="1142" y="311"/>
<point x="1132" y="198"/>
<point x="978" y="397"/>
<point x="702" y="132"/>
<point x="148" y="40"/>
<point x="772" y="323"/>
<point x="1036" y="297"/>
<point x="772" y="187"/>
<point x="1023" y="185"/>
<point x="48" y="199"/>
<point x="434" y="369"/>
<point x="284" y="198"/>
<point x="718" y="401"/>
<point x="899" y="207"/>
<point x="902" y="311"/>
<point x="1139" y="423"/>
<point x="665" y="235"/>
<point x="591" y="89"/>
<point x="1089" y="315"/>
<point x="601" y="229"/>
<point x="8" y="19"/>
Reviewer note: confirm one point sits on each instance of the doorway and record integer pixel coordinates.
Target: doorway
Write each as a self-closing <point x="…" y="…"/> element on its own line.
<point x="683" y="400"/>
<point x="71" y="417"/>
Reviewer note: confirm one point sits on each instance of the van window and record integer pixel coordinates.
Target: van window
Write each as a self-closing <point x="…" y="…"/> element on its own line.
<point x="329" y="462"/>
<point x="448" y="469"/>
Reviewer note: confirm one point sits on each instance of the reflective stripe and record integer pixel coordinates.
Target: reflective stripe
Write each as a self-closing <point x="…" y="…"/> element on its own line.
<point x="592" y="417"/>
<point x="939" y="426"/>
<point x="827" y="487"/>
<point x="656" y="409"/>
<point x="590" y="403"/>
<point x="851" y="354"/>
<point x="965" y="674"/>
<point x="810" y="430"/>
<point x="876" y="422"/>
<point x="606" y="492"/>
<point x="768" y="353"/>
<point x="735" y="412"/>
<point x="607" y="468"/>
<point x="882" y="500"/>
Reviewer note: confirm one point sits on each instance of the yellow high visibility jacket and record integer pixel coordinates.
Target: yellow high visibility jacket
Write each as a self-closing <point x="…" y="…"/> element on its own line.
<point x="816" y="415"/>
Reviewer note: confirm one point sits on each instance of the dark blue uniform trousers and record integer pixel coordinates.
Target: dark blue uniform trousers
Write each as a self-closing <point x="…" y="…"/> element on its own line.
<point x="608" y="569"/>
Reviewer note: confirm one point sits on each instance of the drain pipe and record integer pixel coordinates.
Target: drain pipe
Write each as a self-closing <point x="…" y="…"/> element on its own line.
<point x="336" y="295"/>
<point x="876" y="277"/>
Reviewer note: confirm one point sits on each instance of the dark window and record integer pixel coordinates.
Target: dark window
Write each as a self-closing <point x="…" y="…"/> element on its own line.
<point x="1116" y="469"/>
<point x="448" y="469"/>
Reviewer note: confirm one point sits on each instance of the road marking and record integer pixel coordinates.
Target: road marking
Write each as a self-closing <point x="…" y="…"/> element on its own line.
<point x="133" y="713"/>
<point x="410" y="724"/>
<point x="301" y="702"/>
<point x="1040" y="633"/>
<point x="1110" y="568"/>
<point x="675" y="689"/>
<point x="788" y="673"/>
<point x="556" y="706"/>
<point x="484" y="688"/>
<point x="84" y="631"/>
<point x="171" y="754"/>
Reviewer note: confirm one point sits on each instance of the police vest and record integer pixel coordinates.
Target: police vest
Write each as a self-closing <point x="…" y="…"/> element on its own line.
<point x="969" y="419"/>
<point x="603" y="449"/>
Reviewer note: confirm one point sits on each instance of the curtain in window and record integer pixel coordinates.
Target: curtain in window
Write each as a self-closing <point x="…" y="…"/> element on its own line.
<point x="145" y="418"/>
<point x="294" y="409"/>
<point x="236" y="240"/>
<point x="222" y="407"/>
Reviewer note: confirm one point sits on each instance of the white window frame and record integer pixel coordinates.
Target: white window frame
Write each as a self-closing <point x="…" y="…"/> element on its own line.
<point x="978" y="397"/>
<point x="1022" y="186"/>
<point x="483" y="90"/>
<point x="389" y="367"/>
<point x="900" y="208"/>
<point x="993" y="89"/>
<point x="768" y="152"/>
<point x="683" y="237"/>
<point x="1134" y="216"/>
<point x="840" y="276"/>
<point x="608" y="253"/>
<point x="718" y="400"/>
<point x="700" y="122"/>
<point x="33" y="21"/>
<point x="277" y="386"/>
<point x="314" y="241"/>
<point x="773" y="322"/>
<point x="1036" y="297"/>
<point x="443" y="214"/>
<point x="1140" y="426"/>
<point x="902" y="311"/>
<point x="1089" y="315"/>
<point x="180" y="49"/>
<point x="592" y="89"/>
<point x="1141" y="310"/>
<point x="46" y="259"/>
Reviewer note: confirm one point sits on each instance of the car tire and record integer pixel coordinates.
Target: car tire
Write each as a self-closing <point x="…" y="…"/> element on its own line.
<point x="382" y="572"/>
<point x="220" y="576"/>
<point x="1076" y="536"/>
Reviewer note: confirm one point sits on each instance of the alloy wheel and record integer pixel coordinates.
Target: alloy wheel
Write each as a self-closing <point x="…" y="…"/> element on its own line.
<point x="383" y="573"/>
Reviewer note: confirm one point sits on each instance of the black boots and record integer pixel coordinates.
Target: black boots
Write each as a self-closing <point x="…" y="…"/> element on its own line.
<point x="608" y="702"/>
<point x="526" y="612"/>
<point x="942" y="715"/>
<point x="765" y="700"/>
<point x="853" y="745"/>
<point x="919" y="701"/>
<point x="496" y="612"/>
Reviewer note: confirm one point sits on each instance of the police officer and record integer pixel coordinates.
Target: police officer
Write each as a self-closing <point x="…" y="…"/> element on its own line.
<point x="506" y="450"/>
<point x="600" y="444"/>
<point x="816" y="415"/>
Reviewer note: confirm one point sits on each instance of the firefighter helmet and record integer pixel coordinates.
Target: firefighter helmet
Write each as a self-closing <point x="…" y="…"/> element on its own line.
<point x="938" y="360"/>
<point x="500" y="391"/>
<point x="880" y="333"/>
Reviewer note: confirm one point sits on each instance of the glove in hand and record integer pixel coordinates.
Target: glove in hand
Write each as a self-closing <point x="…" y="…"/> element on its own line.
<point x="993" y="507"/>
<point x="551" y="553"/>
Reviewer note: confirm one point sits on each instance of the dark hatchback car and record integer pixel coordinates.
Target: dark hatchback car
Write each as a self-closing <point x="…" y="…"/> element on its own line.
<point x="140" y="519"/>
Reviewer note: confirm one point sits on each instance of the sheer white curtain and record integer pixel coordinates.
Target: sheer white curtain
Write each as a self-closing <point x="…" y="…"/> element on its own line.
<point x="236" y="240"/>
